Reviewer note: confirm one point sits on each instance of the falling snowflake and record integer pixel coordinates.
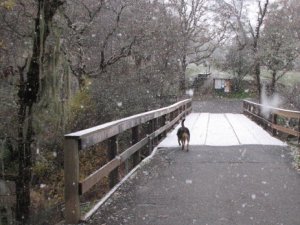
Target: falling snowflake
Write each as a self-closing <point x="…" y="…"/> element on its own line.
<point x="188" y="181"/>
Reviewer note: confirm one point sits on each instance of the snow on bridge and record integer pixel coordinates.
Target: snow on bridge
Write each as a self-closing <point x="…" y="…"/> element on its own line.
<point x="222" y="130"/>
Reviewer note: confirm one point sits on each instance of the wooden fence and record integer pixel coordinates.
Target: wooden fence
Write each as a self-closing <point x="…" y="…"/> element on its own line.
<point x="158" y="123"/>
<point x="277" y="121"/>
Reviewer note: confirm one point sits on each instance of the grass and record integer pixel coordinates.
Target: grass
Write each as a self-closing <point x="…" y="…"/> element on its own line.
<point x="235" y="95"/>
<point x="289" y="79"/>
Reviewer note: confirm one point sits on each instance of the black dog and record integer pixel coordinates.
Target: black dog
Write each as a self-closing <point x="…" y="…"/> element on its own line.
<point x="183" y="135"/>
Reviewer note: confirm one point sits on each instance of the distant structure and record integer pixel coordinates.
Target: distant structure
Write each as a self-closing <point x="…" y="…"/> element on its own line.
<point x="200" y="79"/>
<point x="222" y="84"/>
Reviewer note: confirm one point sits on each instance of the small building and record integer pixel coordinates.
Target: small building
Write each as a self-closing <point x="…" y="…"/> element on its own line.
<point x="223" y="84"/>
<point x="200" y="79"/>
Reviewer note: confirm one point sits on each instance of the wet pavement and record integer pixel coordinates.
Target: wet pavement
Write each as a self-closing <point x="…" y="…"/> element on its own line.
<point x="209" y="185"/>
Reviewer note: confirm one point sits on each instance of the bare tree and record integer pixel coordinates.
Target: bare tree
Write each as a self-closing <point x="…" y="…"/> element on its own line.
<point x="256" y="36"/>
<point x="95" y="38"/>
<point x="280" y="48"/>
<point x="199" y="35"/>
<point x="238" y="58"/>
<point x="246" y="34"/>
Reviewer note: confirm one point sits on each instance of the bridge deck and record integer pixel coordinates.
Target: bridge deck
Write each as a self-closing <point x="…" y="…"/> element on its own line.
<point x="222" y="130"/>
<point x="245" y="178"/>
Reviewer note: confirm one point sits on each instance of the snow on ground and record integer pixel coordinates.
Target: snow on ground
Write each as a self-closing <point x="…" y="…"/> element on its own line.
<point x="222" y="130"/>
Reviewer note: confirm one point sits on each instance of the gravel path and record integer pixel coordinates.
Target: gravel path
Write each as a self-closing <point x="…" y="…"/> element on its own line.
<point x="218" y="106"/>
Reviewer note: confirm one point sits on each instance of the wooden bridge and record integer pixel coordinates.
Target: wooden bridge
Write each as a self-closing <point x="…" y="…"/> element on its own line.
<point x="148" y="131"/>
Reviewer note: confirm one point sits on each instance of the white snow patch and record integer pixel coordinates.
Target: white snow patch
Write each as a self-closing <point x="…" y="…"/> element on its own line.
<point x="222" y="130"/>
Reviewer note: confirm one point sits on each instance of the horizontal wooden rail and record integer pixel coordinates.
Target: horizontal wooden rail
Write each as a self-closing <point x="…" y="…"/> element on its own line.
<point x="91" y="136"/>
<point x="277" y="119"/>
<point x="159" y="122"/>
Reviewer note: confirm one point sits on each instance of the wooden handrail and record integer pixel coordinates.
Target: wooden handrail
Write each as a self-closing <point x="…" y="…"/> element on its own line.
<point x="254" y="110"/>
<point x="97" y="134"/>
<point x="80" y="140"/>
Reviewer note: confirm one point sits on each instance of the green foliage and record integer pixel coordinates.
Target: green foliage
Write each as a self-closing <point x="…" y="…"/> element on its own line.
<point x="41" y="169"/>
<point x="7" y="4"/>
<point x="7" y="157"/>
<point x="81" y="110"/>
<point x="236" y="95"/>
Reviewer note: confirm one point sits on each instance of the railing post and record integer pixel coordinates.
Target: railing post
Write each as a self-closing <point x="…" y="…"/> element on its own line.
<point x="135" y="138"/>
<point x="111" y="154"/>
<point x="274" y="121"/>
<point x="71" y="169"/>
<point x="299" y="131"/>
<point x="150" y="131"/>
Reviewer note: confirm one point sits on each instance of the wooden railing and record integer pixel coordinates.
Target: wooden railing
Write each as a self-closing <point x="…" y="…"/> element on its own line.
<point x="277" y="121"/>
<point x="158" y="123"/>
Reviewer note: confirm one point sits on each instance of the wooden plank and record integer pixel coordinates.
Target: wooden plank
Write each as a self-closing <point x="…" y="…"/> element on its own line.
<point x="128" y="152"/>
<point x="287" y="114"/>
<point x="134" y="140"/>
<point x="167" y="126"/>
<point x="258" y="117"/>
<point x="286" y="130"/>
<point x="278" y="111"/>
<point x="71" y="175"/>
<point x="85" y="138"/>
<point x="274" y="122"/>
<point x="147" y="115"/>
<point x="96" y="176"/>
<point x="111" y="154"/>
<point x="100" y="133"/>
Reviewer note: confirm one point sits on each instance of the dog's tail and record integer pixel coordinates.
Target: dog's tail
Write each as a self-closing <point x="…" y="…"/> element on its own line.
<point x="182" y="123"/>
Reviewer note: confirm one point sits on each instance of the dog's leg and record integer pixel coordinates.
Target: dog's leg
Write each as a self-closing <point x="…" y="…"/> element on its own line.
<point x="183" y="142"/>
<point x="179" y="141"/>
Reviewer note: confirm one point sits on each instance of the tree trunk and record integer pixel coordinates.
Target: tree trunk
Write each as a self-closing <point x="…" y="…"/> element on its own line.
<point x="28" y="95"/>
<point x="24" y="175"/>
<point x="182" y="75"/>
<point x="258" y="82"/>
<point x="273" y="83"/>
